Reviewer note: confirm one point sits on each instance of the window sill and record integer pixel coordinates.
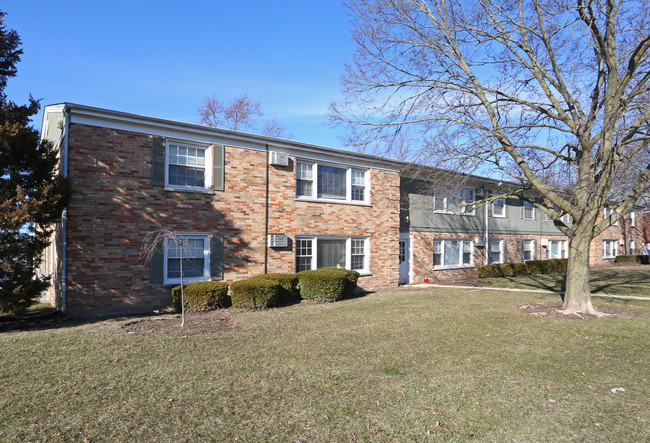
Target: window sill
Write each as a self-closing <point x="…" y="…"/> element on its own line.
<point x="445" y="268"/>
<point x="326" y="200"/>
<point x="498" y="216"/>
<point x="192" y="190"/>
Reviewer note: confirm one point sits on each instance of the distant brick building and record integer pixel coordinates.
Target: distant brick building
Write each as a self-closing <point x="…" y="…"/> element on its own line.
<point x="248" y="204"/>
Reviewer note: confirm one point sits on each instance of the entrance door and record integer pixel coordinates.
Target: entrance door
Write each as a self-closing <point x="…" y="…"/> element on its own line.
<point x="404" y="260"/>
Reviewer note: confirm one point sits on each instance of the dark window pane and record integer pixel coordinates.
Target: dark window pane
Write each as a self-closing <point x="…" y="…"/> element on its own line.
<point x="331" y="182"/>
<point x="331" y="253"/>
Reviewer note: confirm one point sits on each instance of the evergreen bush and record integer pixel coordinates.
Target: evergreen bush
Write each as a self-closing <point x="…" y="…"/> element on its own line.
<point x="201" y="296"/>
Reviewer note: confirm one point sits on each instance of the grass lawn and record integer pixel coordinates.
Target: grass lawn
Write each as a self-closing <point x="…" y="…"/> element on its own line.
<point x="408" y="365"/>
<point x="632" y="280"/>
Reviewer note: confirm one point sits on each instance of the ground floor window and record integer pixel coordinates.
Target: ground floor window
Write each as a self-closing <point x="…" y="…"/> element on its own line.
<point x="452" y="253"/>
<point x="195" y="251"/>
<point x="528" y="250"/>
<point x="557" y="249"/>
<point x="496" y="251"/>
<point x="609" y="248"/>
<point x="332" y="252"/>
<point x="632" y="247"/>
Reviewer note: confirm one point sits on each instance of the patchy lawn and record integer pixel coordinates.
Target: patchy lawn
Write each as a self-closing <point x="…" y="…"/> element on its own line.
<point x="406" y="365"/>
<point x="628" y="280"/>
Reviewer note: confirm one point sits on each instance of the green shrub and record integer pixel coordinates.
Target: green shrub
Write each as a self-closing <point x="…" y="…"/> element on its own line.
<point x="351" y="278"/>
<point x="520" y="268"/>
<point x="288" y="286"/>
<point x="558" y="265"/>
<point x="201" y="296"/>
<point x="643" y="259"/>
<point x="627" y="258"/>
<point x="326" y="285"/>
<point x="256" y="292"/>
<point x="507" y="269"/>
<point x="490" y="271"/>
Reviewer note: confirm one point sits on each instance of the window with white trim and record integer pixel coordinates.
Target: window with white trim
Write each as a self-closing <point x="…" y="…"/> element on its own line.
<point x="499" y="207"/>
<point x="632" y="247"/>
<point x="528" y="250"/>
<point x="496" y="251"/>
<point x="452" y="253"/>
<point x="332" y="252"/>
<point x="185" y="166"/>
<point x="609" y="248"/>
<point x="528" y="211"/>
<point x="331" y="183"/>
<point x="461" y="203"/>
<point x="556" y="249"/>
<point x="632" y="219"/>
<point x="195" y="250"/>
<point x="607" y="212"/>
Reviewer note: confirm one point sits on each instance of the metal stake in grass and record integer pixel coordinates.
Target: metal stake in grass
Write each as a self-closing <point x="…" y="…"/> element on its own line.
<point x="153" y="242"/>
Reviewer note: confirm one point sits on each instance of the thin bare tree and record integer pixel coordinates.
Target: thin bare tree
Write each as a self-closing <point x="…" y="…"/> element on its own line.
<point x="154" y="242"/>
<point x="537" y="89"/>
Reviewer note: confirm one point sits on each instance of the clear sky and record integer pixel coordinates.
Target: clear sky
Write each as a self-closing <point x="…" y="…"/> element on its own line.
<point x="161" y="58"/>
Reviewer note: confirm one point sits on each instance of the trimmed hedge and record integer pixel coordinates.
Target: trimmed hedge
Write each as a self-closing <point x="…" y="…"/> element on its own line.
<point x="256" y="292"/>
<point x="328" y="284"/>
<point x="643" y="259"/>
<point x="201" y="296"/>
<point x="550" y="266"/>
<point x="288" y="286"/>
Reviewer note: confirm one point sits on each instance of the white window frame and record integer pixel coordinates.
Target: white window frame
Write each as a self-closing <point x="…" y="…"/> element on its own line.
<point x="611" y="251"/>
<point x="462" y="242"/>
<point x="348" y="250"/>
<point x="464" y="196"/>
<point x="208" y="168"/>
<point x="608" y="212"/>
<point x="562" y="248"/>
<point x="348" y="183"/>
<point x="503" y="213"/>
<point x="528" y="205"/>
<point x="206" y="259"/>
<point x="500" y="244"/>
<point x="631" y="249"/>
<point x="532" y="250"/>
<point x="632" y="219"/>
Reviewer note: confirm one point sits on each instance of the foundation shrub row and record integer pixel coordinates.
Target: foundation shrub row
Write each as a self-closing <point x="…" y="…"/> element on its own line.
<point x="642" y="259"/>
<point x="268" y="290"/>
<point x="551" y="266"/>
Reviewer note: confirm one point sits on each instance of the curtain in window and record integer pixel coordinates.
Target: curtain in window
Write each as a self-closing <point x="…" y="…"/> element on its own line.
<point x="331" y="253"/>
<point x="331" y="182"/>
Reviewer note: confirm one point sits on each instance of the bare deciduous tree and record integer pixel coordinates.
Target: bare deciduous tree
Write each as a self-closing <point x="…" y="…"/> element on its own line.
<point x="537" y="89"/>
<point x="240" y="115"/>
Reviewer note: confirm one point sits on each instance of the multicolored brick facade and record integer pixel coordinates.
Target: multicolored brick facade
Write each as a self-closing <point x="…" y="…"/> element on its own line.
<point x="95" y="259"/>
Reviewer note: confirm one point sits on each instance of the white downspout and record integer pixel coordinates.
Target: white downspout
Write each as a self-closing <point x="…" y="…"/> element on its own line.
<point x="64" y="218"/>
<point x="487" y="235"/>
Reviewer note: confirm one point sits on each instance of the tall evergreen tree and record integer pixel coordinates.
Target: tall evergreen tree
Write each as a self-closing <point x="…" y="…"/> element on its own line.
<point x="32" y="196"/>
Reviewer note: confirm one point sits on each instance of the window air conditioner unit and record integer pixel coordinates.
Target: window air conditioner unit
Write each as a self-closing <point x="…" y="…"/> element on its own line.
<point x="544" y="242"/>
<point x="279" y="158"/>
<point x="622" y="242"/>
<point x="278" y="241"/>
<point x="480" y="241"/>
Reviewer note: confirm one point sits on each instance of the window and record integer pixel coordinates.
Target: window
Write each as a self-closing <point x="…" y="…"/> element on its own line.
<point x="556" y="249"/>
<point x="528" y="211"/>
<point x="331" y="252"/>
<point x="632" y="219"/>
<point x="607" y="212"/>
<point x="402" y="251"/>
<point x="195" y="250"/>
<point x="499" y="207"/>
<point x="452" y="253"/>
<point x="566" y="218"/>
<point x="186" y="166"/>
<point x="456" y="204"/>
<point x="632" y="247"/>
<point x="609" y="248"/>
<point x="528" y="250"/>
<point x="316" y="181"/>
<point x="496" y="251"/>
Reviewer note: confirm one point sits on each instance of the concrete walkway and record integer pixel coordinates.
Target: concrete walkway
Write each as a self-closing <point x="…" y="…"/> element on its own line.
<point x="540" y="291"/>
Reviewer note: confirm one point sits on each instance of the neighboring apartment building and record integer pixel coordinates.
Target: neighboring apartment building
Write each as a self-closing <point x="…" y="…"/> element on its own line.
<point x="249" y="204"/>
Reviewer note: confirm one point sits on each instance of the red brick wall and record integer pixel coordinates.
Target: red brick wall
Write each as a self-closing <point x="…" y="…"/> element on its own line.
<point x="115" y="204"/>
<point x="623" y="231"/>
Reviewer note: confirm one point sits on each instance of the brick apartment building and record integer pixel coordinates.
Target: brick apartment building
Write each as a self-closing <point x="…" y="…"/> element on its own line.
<point x="249" y="204"/>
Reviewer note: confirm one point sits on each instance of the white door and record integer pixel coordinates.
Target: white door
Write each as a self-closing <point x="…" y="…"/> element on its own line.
<point x="404" y="260"/>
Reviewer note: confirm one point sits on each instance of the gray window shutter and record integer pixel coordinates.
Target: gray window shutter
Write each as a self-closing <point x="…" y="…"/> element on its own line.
<point x="218" y="167"/>
<point x="158" y="160"/>
<point x="216" y="257"/>
<point x="156" y="267"/>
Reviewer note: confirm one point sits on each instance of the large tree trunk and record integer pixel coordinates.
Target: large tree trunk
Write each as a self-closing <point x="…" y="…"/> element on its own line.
<point x="577" y="298"/>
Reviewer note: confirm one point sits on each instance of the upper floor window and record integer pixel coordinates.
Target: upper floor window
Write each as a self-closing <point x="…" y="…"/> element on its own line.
<point x="528" y="211"/>
<point x="186" y="167"/>
<point x="607" y="212"/>
<point x="499" y="207"/>
<point x="460" y="203"/>
<point x="632" y="219"/>
<point x="329" y="182"/>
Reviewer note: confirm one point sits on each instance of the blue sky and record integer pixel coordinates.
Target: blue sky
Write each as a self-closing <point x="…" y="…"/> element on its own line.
<point x="162" y="58"/>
